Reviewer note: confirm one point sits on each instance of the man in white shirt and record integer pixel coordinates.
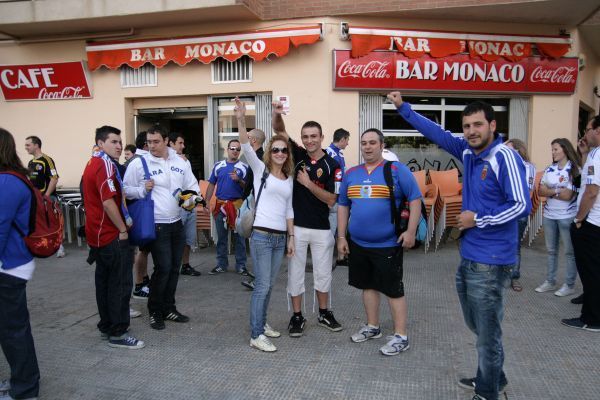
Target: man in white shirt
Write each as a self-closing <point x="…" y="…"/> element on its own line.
<point x="170" y="174"/>
<point x="585" y="233"/>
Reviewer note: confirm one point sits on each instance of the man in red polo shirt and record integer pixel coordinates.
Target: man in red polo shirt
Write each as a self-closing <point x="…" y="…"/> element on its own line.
<point x="106" y="233"/>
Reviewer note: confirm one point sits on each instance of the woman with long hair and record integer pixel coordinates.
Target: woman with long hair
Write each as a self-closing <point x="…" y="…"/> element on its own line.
<point x="521" y="148"/>
<point x="273" y="229"/>
<point x="16" y="268"/>
<point x="558" y="187"/>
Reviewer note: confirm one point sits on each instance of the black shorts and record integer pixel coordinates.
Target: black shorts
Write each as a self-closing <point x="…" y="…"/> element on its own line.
<point x="376" y="268"/>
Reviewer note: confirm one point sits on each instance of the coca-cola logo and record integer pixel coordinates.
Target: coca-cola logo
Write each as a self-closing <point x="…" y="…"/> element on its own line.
<point x="553" y="75"/>
<point x="370" y="70"/>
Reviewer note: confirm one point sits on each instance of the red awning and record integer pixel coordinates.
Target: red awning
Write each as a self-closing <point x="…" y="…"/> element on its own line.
<point x="415" y="44"/>
<point x="256" y="45"/>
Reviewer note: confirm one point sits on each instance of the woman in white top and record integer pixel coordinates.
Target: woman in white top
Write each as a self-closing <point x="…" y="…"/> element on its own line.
<point x="561" y="207"/>
<point x="273" y="229"/>
<point x="521" y="148"/>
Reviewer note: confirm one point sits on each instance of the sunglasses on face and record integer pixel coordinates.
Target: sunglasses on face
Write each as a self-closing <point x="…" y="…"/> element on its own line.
<point x="276" y="150"/>
<point x="235" y="148"/>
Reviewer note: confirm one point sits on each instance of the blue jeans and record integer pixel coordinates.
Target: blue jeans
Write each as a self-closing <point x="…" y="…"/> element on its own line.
<point x="15" y="338"/>
<point x="267" y="254"/>
<point x="522" y="224"/>
<point x="167" y="251"/>
<point x="553" y="229"/>
<point x="223" y="241"/>
<point x="480" y="289"/>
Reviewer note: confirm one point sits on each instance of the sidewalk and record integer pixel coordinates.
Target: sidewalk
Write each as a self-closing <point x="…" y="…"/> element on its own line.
<point x="210" y="357"/>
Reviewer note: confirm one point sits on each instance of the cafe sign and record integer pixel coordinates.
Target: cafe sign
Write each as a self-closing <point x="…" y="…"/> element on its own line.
<point x="57" y="81"/>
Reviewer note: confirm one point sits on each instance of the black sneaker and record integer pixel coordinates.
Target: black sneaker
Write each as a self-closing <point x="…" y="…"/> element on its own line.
<point x="296" y="326"/>
<point x="469" y="384"/>
<point x="217" y="270"/>
<point x="328" y="321"/>
<point x="157" y="321"/>
<point x="578" y="299"/>
<point x="141" y="291"/>
<point x="577" y="323"/>
<point x="244" y="272"/>
<point x="248" y="284"/>
<point x="176" y="316"/>
<point x="187" y="269"/>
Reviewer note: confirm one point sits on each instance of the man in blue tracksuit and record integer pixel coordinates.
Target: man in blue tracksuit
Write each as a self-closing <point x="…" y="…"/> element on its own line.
<point x="495" y="196"/>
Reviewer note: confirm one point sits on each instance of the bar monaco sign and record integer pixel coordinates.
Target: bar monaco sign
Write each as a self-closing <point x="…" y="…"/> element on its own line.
<point x="390" y="70"/>
<point x="58" y="81"/>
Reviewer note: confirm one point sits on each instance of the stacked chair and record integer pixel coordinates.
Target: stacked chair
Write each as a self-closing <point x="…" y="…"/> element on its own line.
<point x="450" y="193"/>
<point x="431" y="197"/>
<point x="534" y="221"/>
<point x="202" y="218"/>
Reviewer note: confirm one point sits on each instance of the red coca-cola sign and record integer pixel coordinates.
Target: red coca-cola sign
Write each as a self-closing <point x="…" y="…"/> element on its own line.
<point x="388" y="70"/>
<point x="57" y="81"/>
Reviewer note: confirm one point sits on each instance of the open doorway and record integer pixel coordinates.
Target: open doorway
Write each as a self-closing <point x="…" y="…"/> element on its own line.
<point x="189" y="121"/>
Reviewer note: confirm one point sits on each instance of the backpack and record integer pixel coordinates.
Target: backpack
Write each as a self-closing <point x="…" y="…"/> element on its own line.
<point x="421" y="234"/>
<point x="45" y="222"/>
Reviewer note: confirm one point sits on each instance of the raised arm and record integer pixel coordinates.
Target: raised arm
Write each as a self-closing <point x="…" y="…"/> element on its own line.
<point x="428" y="128"/>
<point x="256" y="165"/>
<point x="240" y="115"/>
<point x="277" y="119"/>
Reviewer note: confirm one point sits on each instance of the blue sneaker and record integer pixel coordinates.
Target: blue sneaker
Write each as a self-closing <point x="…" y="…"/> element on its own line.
<point x="394" y="346"/>
<point x="126" y="342"/>
<point x="365" y="333"/>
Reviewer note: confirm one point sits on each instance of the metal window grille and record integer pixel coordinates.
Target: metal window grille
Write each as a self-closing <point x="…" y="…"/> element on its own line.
<point x="237" y="71"/>
<point x="146" y="75"/>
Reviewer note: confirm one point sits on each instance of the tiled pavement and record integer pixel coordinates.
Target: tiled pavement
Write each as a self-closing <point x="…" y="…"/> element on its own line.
<point x="209" y="358"/>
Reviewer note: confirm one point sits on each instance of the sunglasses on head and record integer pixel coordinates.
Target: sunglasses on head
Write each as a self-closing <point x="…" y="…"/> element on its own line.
<point x="235" y="148"/>
<point x="275" y="150"/>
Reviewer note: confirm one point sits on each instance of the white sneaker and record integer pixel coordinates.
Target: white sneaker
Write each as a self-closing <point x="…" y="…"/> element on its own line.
<point x="270" y="332"/>
<point x="262" y="343"/>
<point x="545" y="287"/>
<point x="61" y="252"/>
<point x="134" y="313"/>
<point x="564" y="290"/>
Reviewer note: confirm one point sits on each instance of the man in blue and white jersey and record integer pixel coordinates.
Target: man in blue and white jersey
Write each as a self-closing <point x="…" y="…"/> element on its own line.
<point x="230" y="177"/>
<point x="495" y="196"/>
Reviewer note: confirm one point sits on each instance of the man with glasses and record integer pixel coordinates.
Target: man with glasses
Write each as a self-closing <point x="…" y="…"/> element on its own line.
<point x="229" y="176"/>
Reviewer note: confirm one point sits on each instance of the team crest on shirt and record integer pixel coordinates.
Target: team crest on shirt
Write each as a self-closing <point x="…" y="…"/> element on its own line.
<point x="38" y="167"/>
<point x="484" y="172"/>
<point x="365" y="191"/>
<point x="561" y="179"/>
<point x="319" y="172"/>
<point x="591" y="170"/>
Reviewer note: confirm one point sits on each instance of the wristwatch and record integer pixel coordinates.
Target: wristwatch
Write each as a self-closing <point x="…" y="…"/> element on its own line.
<point x="576" y="221"/>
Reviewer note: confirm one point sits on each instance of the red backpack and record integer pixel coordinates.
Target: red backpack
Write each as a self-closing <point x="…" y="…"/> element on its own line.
<point x="45" y="222"/>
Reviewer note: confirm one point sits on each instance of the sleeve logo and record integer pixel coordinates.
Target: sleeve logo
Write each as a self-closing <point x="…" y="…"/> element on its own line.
<point x="338" y="175"/>
<point x="111" y="185"/>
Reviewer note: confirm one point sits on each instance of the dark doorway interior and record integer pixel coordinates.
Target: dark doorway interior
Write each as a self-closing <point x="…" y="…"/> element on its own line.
<point x="189" y="122"/>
